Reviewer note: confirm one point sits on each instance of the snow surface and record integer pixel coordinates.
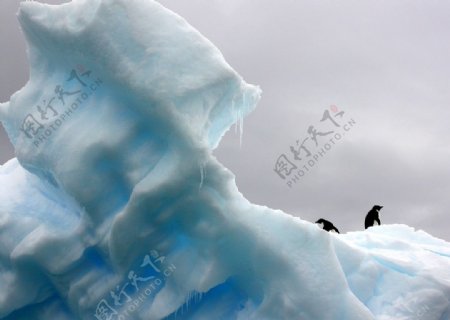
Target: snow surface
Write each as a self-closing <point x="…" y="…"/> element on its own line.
<point x="115" y="207"/>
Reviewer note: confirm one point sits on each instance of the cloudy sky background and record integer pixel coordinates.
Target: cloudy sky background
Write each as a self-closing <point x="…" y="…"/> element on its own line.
<point x="385" y="63"/>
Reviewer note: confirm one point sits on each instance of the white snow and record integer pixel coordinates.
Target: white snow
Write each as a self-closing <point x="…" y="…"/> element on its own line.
<point x="105" y="215"/>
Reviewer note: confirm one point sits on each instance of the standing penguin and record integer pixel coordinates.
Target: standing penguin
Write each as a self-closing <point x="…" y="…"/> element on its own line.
<point x="372" y="218"/>
<point x="327" y="225"/>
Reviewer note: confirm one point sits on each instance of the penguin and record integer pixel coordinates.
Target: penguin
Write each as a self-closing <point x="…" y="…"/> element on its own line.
<point x="327" y="225"/>
<point x="372" y="218"/>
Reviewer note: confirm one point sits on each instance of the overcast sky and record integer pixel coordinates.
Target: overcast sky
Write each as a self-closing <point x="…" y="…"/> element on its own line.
<point x="384" y="63"/>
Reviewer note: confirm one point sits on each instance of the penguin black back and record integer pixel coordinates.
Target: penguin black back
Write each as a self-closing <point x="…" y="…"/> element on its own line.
<point x="372" y="217"/>
<point x="327" y="225"/>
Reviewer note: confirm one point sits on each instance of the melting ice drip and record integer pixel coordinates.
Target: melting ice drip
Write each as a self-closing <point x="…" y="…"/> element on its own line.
<point x="104" y="214"/>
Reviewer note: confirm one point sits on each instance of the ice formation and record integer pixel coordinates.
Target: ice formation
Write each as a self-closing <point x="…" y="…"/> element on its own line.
<point x="115" y="207"/>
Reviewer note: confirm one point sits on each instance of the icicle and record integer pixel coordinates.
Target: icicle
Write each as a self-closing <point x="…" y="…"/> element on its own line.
<point x="202" y="175"/>
<point x="241" y="121"/>
<point x="239" y="118"/>
<point x="188" y="298"/>
<point x="236" y="115"/>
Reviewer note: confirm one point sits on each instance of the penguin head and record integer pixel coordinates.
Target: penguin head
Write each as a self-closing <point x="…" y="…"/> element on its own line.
<point x="321" y="223"/>
<point x="377" y="207"/>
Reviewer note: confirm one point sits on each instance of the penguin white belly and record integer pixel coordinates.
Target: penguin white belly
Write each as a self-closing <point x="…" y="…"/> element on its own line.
<point x="375" y="223"/>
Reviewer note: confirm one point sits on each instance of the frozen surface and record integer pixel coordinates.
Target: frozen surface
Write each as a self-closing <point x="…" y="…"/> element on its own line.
<point x="115" y="207"/>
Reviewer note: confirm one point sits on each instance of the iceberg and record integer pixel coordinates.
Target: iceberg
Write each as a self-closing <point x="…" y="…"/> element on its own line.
<point x="116" y="208"/>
